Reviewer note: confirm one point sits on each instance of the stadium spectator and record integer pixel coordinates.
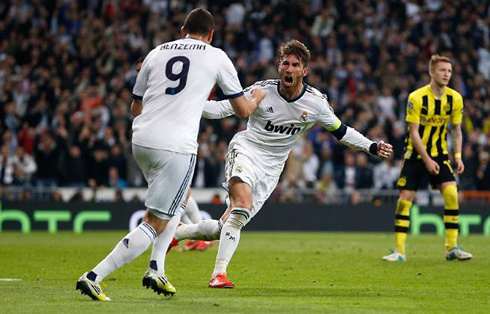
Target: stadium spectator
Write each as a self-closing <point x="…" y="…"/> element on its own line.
<point x="74" y="60"/>
<point x="7" y="166"/>
<point x="24" y="167"/>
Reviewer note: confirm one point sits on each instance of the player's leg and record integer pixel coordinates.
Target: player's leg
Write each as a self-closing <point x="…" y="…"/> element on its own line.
<point x="167" y="197"/>
<point x="411" y="176"/>
<point x="449" y="192"/>
<point x="193" y="216"/>
<point x="402" y="221"/>
<point x="241" y="206"/>
<point x="194" y="228"/>
<point x="130" y="247"/>
<point x="192" y="210"/>
<point x="206" y="230"/>
<point x="446" y="183"/>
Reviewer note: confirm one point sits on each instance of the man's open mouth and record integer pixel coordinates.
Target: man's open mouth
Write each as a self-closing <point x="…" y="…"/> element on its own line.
<point x="288" y="80"/>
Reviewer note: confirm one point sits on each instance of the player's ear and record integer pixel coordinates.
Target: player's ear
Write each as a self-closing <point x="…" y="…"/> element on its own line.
<point x="182" y="31"/>
<point x="305" y="71"/>
<point x="210" y="36"/>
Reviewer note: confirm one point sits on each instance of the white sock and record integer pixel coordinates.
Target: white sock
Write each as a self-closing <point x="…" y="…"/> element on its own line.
<point x="207" y="230"/>
<point x="192" y="211"/>
<point x="229" y="238"/>
<point x="160" y="246"/>
<point x="130" y="247"/>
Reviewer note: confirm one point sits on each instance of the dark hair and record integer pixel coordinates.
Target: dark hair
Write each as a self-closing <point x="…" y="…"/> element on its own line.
<point x="199" y="21"/>
<point x="297" y="48"/>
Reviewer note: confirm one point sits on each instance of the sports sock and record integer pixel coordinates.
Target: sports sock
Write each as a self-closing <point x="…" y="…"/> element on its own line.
<point x="130" y="247"/>
<point x="402" y="222"/>
<point x="160" y="246"/>
<point x="207" y="230"/>
<point x="451" y="215"/>
<point x="229" y="238"/>
<point x="192" y="211"/>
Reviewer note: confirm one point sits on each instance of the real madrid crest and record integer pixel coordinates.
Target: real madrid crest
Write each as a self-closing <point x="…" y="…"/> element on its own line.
<point x="304" y="117"/>
<point x="238" y="168"/>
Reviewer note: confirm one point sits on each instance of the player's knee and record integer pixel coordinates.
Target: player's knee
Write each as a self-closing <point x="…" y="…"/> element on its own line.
<point x="238" y="218"/>
<point x="450" y="195"/>
<point x="407" y="195"/>
<point x="242" y="202"/>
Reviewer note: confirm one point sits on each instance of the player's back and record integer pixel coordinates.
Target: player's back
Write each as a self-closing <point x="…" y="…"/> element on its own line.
<point x="174" y="83"/>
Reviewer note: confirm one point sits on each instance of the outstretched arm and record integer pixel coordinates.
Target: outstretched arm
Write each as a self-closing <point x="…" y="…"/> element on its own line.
<point x="224" y="108"/>
<point x="352" y="138"/>
<point x="244" y="107"/>
<point x="217" y="109"/>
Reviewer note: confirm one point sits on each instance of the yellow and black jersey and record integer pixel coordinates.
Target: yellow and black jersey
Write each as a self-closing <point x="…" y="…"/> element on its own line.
<point x="433" y="115"/>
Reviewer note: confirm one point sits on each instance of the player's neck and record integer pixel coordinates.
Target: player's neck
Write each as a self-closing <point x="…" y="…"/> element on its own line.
<point x="198" y="37"/>
<point x="291" y="93"/>
<point x="437" y="89"/>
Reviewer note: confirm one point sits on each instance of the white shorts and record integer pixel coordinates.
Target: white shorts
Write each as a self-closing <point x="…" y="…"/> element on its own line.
<point x="239" y="165"/>
<point x="168" y="175"/>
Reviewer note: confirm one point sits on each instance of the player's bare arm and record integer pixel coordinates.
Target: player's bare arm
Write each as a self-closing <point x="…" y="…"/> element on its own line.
<point x="136" y="107"/>
<point x="244" y="107"/>
<point x="457" y="141"/>
<point x="430" y="164"/>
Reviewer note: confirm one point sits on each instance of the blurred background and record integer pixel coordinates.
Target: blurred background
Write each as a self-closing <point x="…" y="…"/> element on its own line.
<point x="67" y="69"/>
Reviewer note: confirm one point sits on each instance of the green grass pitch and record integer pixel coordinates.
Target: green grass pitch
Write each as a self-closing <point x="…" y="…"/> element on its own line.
<point x="287" y="272"/>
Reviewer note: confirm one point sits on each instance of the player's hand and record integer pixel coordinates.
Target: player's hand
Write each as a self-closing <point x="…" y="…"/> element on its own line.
<point x="258" y="95"/>
<point x="459" y="165"/>
<point x="432" y="166"/>
<point x="384" y="150"/>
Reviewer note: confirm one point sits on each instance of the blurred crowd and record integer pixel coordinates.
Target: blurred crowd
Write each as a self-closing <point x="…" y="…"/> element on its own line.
<point x="67" y="69"/>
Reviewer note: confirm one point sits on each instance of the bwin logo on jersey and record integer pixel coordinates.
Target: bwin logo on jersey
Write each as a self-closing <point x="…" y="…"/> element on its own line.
<point x="291" y="129"/>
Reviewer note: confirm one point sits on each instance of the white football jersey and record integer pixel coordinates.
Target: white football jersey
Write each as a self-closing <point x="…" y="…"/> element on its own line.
<point x="274" y="127"/>
<point x="175" y="80"/>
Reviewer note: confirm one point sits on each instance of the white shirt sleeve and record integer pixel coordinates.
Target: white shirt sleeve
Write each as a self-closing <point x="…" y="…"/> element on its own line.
<point x="228" y="78"/>
<point x="327" y="118"/>
<point x="351" y="138"/>
<point x="354" y="139"/>
<point x="217" y="109"/>
<point x="139" y="88"/>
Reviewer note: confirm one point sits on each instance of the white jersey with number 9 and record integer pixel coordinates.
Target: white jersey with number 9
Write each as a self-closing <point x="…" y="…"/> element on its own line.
<point x="174" y="82"/>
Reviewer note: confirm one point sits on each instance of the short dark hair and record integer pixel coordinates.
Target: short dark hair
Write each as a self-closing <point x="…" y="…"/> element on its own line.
<point x="199" y="21"/>
<point x="297" y="48"/>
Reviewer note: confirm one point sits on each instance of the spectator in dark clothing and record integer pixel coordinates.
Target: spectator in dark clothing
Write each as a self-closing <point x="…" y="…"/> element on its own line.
<point x="483" y="172"/>
<point x="364" y="172"/>
<point x="99" y="167"/>
<point x="471" y="165"/>
<point x="118" y="161"/>
<point x="205" y="172"/>
<point x="75" y="168"/>
<point x="47" y="158"/>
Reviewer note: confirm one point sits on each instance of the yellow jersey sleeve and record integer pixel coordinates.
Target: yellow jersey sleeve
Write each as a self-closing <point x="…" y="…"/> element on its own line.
<point x="457" y="114"/>
<point x="414" y="107"/>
